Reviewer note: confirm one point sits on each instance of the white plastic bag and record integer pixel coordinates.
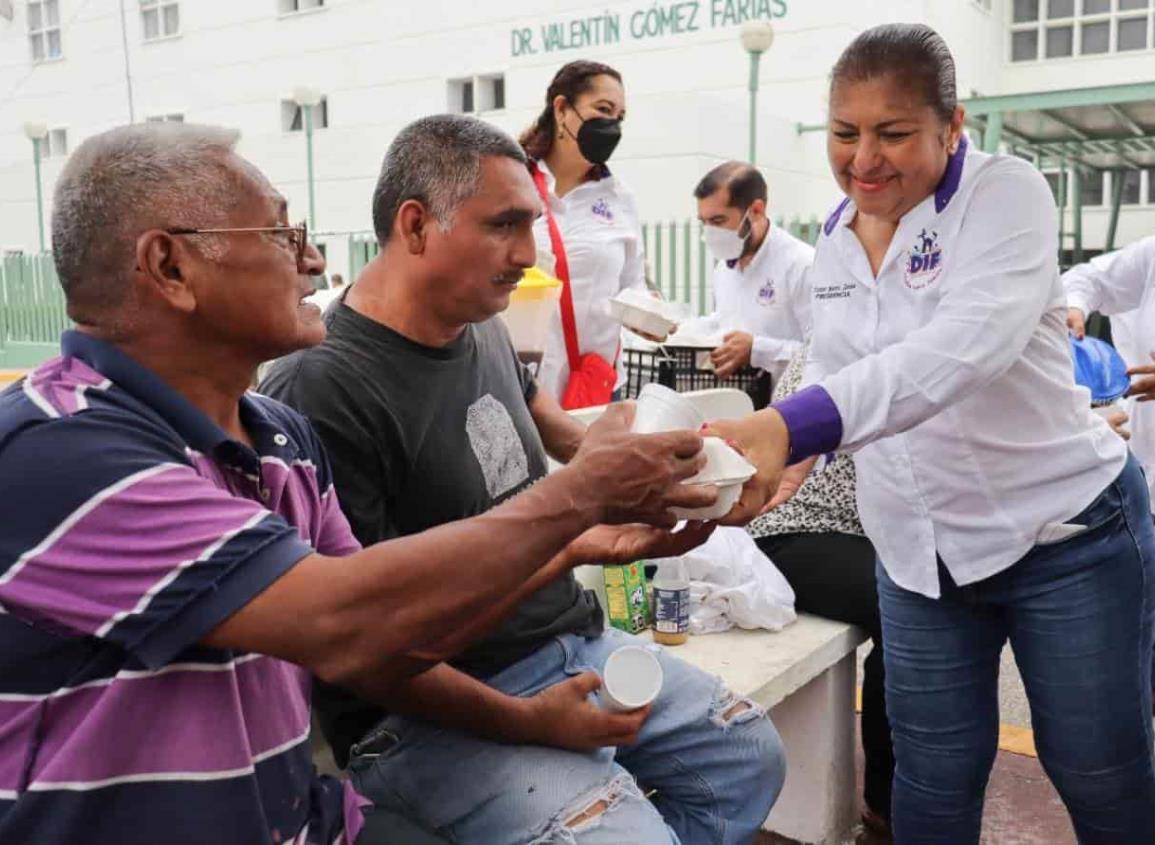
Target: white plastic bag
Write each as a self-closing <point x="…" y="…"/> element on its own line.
<point x="733" y="583"/>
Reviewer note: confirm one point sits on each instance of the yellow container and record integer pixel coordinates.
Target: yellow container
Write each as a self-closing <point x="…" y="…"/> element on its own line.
<point x="531" y="307"/>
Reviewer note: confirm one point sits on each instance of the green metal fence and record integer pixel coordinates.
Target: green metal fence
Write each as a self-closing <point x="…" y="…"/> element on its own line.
<point x="32" y="311"/>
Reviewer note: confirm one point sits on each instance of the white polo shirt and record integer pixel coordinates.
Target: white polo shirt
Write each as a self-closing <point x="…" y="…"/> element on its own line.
<point x="769" y="298"/>
<point x="603" y="243"/>
<point x="950" y="376"/>
<point x="1121" y="284"/>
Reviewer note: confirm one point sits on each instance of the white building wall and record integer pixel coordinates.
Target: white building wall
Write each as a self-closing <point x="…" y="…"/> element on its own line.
<point x="382" y="63"/>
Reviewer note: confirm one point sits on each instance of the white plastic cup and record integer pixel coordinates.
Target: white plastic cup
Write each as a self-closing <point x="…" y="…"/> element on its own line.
<point x="631" y="678"/>
<point x="661" y="409"/>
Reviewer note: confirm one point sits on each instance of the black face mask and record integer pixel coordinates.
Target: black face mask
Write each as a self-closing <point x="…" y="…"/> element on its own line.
<point x="597" y="138"/>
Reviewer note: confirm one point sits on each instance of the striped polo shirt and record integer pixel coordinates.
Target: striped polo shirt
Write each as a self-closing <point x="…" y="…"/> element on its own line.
<point x="132" y="525"/>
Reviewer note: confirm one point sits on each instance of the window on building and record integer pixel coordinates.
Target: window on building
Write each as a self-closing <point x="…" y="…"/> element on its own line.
<point x="159" y="19"/>
<point x="55" y="145"/>
<point x="1132" y="33"/>
<point x="1055" y="29"/>
<point x="1025" y="11"/>
<point x="460" y="96"/>
<point x="473" y="94"/>
<point x="287" y="7"/>
<point x="1060" y="41"/>
<point x="1025" y="45"/>
<point x="1091" y="184"/>
<point x="293" y="115"/>
<point x="1150" y="171"/>
<point x="1056" y="179"/>
<point x="1132" y="183"/>
<point x="1096" y="37"/>
<point x="44" y="30"/>
<point x="165" y="118"/>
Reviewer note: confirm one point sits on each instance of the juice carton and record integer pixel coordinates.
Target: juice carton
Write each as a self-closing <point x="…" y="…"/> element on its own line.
<point x="627" y="606"/>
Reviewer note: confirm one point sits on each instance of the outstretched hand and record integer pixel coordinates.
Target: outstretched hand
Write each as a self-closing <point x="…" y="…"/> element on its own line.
<point x="637" y="477"/>
<point x="606" y="544"/>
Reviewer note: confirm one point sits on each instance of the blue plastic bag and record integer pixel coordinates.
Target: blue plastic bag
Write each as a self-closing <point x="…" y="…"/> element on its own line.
<point x="1100" y="369"/>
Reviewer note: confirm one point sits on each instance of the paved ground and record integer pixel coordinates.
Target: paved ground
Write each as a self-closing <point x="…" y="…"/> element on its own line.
<point x="1022" y="807"/>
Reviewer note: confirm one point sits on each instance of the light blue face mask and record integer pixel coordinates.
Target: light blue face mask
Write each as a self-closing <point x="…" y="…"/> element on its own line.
<point x="1100" y="369"/>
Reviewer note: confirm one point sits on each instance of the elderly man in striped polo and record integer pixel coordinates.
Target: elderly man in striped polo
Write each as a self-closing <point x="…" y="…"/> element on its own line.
<point x="173" y="559"/>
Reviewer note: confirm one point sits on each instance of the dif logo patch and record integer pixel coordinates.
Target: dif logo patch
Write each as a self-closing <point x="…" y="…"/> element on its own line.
<point x="924" y="263"/>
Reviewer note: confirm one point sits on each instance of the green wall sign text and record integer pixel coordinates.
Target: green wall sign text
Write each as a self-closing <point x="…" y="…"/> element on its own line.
<point x="655" y="21"/>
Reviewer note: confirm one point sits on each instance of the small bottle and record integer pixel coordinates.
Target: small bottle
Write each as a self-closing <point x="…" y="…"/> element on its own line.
<point x="671" y="603"/>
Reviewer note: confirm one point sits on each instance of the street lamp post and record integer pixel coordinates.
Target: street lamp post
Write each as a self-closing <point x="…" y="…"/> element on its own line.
<point x="307" y="98"/>
<point x="756" y="37"/>
<point x="36" y="133"/>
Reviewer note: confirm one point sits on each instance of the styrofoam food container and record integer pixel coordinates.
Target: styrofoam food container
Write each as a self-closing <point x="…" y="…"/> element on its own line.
<point x="631" y="678"/>
<point x="725" y="469"/>
<point x="641" y="312"/>
<point x="728" y="496"/>
<point x="724" y="465"/>
<point x="690" y="339"/>
<point x="662" y="409"/>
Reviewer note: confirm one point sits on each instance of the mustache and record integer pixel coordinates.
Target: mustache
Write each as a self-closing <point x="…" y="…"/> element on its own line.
<point x="510" y="278"/>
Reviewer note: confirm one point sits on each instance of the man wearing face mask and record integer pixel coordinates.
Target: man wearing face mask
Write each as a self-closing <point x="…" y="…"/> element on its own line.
<point x="761" y="281"/>
<point x="589" y="231"/>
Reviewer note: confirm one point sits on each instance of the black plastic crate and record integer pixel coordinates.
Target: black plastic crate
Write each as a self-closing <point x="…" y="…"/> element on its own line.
<point x="675" y="367"/>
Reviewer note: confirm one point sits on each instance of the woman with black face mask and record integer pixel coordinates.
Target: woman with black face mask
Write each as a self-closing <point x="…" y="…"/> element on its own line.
<point x="596" y="238"/>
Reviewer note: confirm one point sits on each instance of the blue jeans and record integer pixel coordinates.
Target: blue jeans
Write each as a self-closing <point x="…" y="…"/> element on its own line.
<point x="1078" y="615"/>
<point x="716" y="762"/>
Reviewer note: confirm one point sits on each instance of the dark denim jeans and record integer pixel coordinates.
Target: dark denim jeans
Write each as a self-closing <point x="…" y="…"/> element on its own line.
<point x="1078" y="615"/>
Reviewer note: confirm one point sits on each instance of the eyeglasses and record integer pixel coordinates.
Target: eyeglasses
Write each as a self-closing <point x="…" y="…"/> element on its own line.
<point x="298" y="235"/>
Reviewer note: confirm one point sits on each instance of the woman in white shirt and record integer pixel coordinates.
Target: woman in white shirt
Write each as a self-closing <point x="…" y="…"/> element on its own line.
<point x="570" y="143"/>
<point x="1000" y="506"/>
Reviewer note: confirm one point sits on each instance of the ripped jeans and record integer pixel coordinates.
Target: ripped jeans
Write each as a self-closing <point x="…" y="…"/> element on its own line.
<point x="715" y="761"/>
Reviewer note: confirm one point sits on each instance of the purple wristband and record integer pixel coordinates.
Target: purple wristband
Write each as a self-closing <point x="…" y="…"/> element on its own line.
<point x="813" y="421"/>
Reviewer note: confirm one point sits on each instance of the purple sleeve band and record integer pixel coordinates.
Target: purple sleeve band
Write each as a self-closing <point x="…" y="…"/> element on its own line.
<point x="813" y="421"/>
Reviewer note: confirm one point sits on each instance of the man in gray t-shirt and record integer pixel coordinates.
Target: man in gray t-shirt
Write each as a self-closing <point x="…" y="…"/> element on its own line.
<point x="422" y="435"/>
<point x="429" y="418"/>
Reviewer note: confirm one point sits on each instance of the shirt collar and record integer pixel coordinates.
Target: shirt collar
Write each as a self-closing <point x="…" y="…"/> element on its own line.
<point x="189" y="421"/>
<point x="596" y="174"/>
<point x="948" y="185"/>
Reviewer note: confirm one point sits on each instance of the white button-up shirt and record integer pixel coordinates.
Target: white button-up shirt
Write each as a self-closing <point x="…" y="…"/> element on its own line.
<point x="1121" y="285"/>
<point x="769" y="298"/>
<point x="603" y="243"/>
<point x="952" y="375"/>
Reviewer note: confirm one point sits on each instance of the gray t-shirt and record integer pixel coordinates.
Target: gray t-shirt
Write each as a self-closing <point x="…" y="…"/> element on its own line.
<point x="418" y="437"/>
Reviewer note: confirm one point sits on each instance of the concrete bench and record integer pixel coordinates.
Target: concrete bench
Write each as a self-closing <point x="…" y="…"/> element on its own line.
<point x="803" y="675"/>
